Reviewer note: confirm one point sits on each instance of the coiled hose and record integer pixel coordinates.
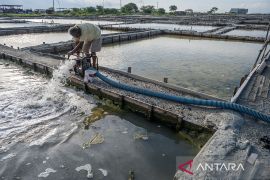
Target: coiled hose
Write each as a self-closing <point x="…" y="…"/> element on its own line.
<point x="185" y="100"/>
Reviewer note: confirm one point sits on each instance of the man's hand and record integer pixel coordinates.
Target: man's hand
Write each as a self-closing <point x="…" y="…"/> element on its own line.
<point x="69" y="54"/>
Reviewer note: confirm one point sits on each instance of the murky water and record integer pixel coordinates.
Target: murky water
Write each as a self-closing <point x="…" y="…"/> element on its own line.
<point x="42" y="133"/>
<point x="36" y="39"/>
<point x="210" y="66"/>
<point x="252" y="33"/>
<point x="167" y="26"/>
<point x="71" y="21"/>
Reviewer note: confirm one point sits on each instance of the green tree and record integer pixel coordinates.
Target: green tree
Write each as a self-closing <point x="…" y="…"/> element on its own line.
<point x="90" y="9"/>
<point x="148" y="9"/>
<point x="130" y="8"/>
<point x="173" y="8"/>
<point x="66" y="11"/>
<point x="110" y="11"/>
<point x="76" y="10"/>
<point x="161" y="11"/>
<point x="100" y="9"/>
<point x="213" y="10"/>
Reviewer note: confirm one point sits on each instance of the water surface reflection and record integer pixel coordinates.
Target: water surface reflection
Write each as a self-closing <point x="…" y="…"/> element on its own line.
<point x="210" y="66"/>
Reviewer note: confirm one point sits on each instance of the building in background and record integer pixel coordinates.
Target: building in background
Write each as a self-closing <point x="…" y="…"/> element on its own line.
<point x="238" y="11"/>
<point x="180" y="13"/>
<point x="11" y="8"/>
<point x="40" y="11"/>
<point x="189" y="11"/>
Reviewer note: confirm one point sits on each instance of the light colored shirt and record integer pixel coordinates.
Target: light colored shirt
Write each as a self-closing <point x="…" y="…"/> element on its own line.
<point x="89" y="32"/>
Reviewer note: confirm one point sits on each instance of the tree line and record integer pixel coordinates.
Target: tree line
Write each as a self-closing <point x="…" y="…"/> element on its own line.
<point x="130" y="8"/>
<point x="127" y="9"/>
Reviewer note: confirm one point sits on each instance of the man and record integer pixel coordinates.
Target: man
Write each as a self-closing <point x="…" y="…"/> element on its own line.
<point x="88" y="38"/>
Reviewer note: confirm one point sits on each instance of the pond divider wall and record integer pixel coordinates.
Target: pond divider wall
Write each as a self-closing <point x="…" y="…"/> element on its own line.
<point x="106" y="39"/>
<point x="36" y="66"/>
<point x="215" y="36"/>
<point x="166" y="85"/>
<point x="2" y="21"/>
<point x="35" y="29"/>
<point x="152" y="113"/>
<point x="194" y="34"/>
<point x="258" y="69"/>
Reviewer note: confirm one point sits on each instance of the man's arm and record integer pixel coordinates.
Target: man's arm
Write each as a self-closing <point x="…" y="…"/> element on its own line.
<point x="79" y="45"/>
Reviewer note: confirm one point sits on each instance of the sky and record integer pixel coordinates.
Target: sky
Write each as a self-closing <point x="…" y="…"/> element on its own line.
<point x="254" y="6"/>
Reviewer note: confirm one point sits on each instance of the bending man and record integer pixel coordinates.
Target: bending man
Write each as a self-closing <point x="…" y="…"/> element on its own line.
<point x="88" y="38"/>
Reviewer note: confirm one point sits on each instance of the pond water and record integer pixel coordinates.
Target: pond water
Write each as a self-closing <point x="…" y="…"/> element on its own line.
<point x="26" y="40"/>
<point x="252" y="33"/>
<point x="43" y="134"/>
<point x="167" y="26"/>
<point x="71" y="21"/>
<point x="210" y="66"/>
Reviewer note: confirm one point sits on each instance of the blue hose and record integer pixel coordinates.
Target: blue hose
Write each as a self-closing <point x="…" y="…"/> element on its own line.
<point x="185" y="100"/>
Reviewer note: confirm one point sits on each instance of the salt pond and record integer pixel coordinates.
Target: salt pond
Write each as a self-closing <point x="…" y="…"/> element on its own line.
<point x="211" y="66"/>
<point x="252" y="33"/>
<point x="167" y="26"/>
<point x="25" y="40"/>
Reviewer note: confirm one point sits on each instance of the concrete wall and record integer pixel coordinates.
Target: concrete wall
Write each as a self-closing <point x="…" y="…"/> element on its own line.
<point x="106" y="39"/>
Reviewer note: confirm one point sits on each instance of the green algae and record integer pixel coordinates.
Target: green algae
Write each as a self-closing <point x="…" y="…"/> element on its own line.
<point x="198" y="139"/>
<point x="104" y="108"/>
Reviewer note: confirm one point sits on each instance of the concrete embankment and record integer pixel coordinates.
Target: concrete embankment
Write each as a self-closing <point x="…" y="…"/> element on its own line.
<point x="106" y="39"/>
<point x="224" y="30"/>
<point x="211" y="35"/>
<point x="216" y="36"/>
<point x="35" y="29"/>
<point x="12" y="21"/>
<point x="255" y="87"/>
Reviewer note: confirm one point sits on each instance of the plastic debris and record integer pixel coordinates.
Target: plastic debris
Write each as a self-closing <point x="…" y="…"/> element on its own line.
<point x="87" y="168"/>
<point x="131" y="175"/>
<point x="96" y="139"/>
<point x="104" y="172"/>
<point x="140" y="136"/>
<point x="47" y="172"/>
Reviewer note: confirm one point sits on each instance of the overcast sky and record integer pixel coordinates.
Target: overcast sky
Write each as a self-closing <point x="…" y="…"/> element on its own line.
<point x="254" y="6"/>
